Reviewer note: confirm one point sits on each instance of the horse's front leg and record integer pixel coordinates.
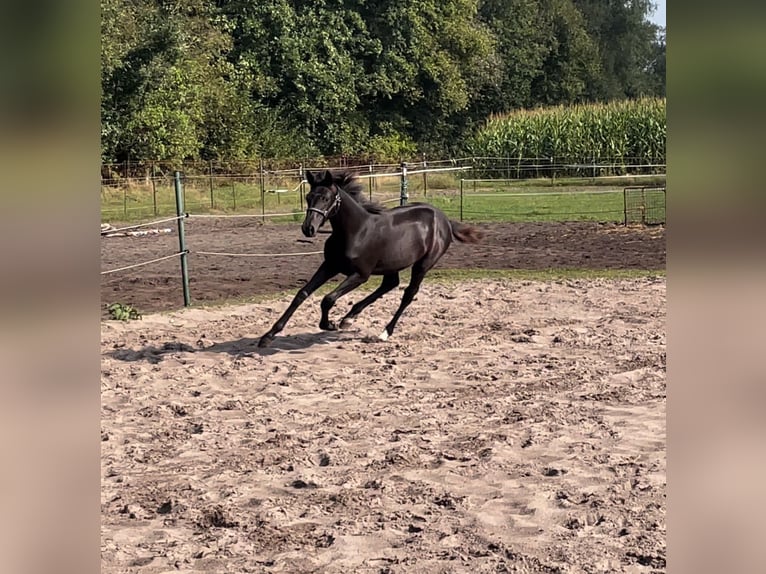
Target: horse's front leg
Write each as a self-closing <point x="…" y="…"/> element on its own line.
<point x="322" y="276"/>
<point x="349" y="284"/>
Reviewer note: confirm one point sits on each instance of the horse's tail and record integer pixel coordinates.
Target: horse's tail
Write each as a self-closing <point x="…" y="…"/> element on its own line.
<point x="465" y="233"/>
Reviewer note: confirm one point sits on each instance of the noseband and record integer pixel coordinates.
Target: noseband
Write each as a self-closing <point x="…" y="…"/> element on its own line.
<point x="330" y="211"/>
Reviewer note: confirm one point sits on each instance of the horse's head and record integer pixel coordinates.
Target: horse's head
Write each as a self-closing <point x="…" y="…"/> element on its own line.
<point x="322" y="202"/>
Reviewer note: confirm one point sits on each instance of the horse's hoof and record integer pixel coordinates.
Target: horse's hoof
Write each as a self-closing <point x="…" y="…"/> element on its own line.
<point x="265" y="341"/>
<point x="383" y="336"/>
<point x="328" y="326"/>
<point x="346" y="323"/>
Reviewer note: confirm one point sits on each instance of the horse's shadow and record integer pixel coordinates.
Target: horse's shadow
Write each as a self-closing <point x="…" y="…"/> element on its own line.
<point x="246" y="346"/>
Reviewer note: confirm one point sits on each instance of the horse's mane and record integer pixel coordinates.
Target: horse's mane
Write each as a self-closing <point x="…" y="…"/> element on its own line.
<point x="347" y="180"/>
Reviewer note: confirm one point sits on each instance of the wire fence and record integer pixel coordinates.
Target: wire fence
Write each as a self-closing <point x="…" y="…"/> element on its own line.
<point x="136" y="265"/>
<point x="226" y="254"/>
<point x="248" y="187"/>
<point x="117" y="173"/>
<point x="109" y="230"/>
<point x="476" y="198"/>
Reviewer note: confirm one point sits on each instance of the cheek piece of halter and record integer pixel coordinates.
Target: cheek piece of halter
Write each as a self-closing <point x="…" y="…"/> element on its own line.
<point x="330" y="211"/>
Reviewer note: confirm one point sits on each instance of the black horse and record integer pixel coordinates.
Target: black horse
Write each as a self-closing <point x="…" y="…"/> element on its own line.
<point x="368" y="239"/>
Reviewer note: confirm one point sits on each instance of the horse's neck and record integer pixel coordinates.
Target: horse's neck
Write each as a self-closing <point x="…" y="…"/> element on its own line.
<point x="351" y="216"/>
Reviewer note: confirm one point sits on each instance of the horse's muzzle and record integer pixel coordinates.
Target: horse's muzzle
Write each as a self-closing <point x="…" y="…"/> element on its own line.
<point x="311" y="225"/>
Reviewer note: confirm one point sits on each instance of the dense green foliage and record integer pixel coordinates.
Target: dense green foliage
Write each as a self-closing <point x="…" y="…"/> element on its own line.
<point x="624" y="132"/>
<point x="237" y="79"/>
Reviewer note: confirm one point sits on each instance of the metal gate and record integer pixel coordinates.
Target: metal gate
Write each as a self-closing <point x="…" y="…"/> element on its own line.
<point x="644" y="204"/>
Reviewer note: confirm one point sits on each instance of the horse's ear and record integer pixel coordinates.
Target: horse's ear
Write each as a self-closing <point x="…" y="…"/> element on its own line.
<point x="328" y="179"/>
<point x="310" y="178"/>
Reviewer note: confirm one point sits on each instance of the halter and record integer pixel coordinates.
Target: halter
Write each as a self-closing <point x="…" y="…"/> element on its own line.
<point x="330" y="211"/>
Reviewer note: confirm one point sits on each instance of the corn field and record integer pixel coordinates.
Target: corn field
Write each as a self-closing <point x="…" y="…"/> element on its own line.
<point x="628" y="136"/>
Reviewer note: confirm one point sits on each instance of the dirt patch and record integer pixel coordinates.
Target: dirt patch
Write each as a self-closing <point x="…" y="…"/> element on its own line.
<point x="508" y="426"/>
<point x="157" y="287"/>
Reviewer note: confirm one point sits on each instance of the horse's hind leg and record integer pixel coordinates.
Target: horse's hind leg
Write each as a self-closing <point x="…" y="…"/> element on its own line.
<point x="322" y="276"/>
<point x="419" y="271"/>
<point x="390" y="281"/>
<point x="349" y="284"/>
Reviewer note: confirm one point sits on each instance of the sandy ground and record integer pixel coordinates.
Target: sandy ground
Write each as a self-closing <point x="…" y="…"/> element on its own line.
<point x="507" y="426"/>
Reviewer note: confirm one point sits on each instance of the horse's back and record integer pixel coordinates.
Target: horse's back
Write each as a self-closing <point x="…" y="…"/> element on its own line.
<point x="430" y="223"/>
<point x="418" y="211"/>
<point x="393" y="240"/>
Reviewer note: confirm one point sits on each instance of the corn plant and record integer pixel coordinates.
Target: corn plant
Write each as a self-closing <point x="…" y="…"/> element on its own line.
<point x="619" y="134"/>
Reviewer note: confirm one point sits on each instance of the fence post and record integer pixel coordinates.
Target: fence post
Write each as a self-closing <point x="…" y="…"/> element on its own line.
<point x="461" y="198"/>
<point x="403" y="185"/>
<point x="553" y="172"/>
<point x="182" y="238"/>
<point x="625" y="205"/>
<point x="301" y="177"/>
<point x="212" y="200"/>
<point x="233" y="194"/>
<point x="643" y="205"/>
<point x="370" y="179"/>
<point x="263" y="194"/>
<point x="425" y="177"/>
<point x="154" y="192"/>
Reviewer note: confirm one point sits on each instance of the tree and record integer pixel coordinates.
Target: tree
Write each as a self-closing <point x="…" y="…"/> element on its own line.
<point x="238" y="79"/>
<point x="657" y="68"/>
<point x="627" y="44"/>
<point x="167" y="89"/>
<point x="571" y="64"/>
<point x="522" y="43"/>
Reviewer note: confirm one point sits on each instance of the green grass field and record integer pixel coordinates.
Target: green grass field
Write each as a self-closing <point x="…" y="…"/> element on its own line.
<point x="575" y="206"/>
<point x="582" y="199"/>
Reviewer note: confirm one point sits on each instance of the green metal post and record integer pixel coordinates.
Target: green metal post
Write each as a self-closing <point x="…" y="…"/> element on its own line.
<point x="182" y="237"/>
<point x="625" y="205"/>
<point x="403" y="185"/>
<point x="154" y="192"/>
<point x="263" y="193"/>
<point x="210" y="172"/>
<point x="553" y="173"/>
<point x="461" y="199"/>
<point x="301" y="177"/>
<point x="370" y="180"/>
<point x="643" y="205"/>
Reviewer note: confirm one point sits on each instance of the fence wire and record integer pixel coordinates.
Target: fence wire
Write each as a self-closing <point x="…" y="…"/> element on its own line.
<point x="143" y="263"/>
<point x="121" y="229"/>
<point x="251" y="215"/>
<point x="225" y="254"/>
<point x="374" y="172"/>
